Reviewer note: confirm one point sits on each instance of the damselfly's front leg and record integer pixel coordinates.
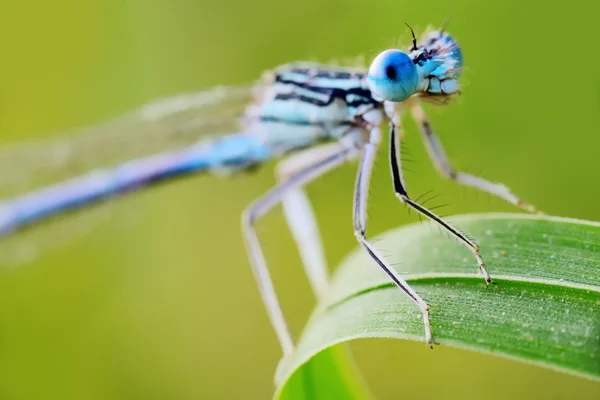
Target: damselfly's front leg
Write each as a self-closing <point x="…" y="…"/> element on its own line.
<point x="437" y="154"/>
<point x="301" y="219"/>
<point x="259" y="208"/>
<point x="361" y="190"/>
<point x="402" y="194"/>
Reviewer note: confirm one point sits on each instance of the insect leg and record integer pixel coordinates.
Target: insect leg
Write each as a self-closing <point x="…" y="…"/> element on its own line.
<point x="257" y="210"/>
<point x="360" y="226"/>
<point x="440" y="160"/>
<point x="301" y="219"/>
<point x="402" y="194"/>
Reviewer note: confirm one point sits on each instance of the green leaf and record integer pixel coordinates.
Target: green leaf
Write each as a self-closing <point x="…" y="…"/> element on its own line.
<point x="331" y="374"/>
<point x="545" y="309"/>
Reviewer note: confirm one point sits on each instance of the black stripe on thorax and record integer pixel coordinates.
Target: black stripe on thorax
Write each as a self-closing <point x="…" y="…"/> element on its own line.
<point x="327" y="73"/>
<point x="353" y="97"/>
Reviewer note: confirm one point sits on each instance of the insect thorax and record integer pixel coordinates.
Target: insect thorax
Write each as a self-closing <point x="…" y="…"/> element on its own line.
<point x="297" y="105"/>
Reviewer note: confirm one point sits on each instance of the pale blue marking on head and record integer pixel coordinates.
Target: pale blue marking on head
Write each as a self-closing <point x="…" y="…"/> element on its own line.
<point x="392" y="76"/>
<point x="439" y="55"/>
<point x="450" y="86"/>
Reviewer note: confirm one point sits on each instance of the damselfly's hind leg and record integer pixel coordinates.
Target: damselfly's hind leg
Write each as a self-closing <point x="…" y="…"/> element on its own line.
<point x="402" y="194"/>
<point x="310" y="171"/>
<point x="439" y="158"/>
<point x="361" y="191"/>
<point x="301" y="219"/>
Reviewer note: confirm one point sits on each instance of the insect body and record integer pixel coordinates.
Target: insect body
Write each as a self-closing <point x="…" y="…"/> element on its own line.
<point x="316" y="117"/>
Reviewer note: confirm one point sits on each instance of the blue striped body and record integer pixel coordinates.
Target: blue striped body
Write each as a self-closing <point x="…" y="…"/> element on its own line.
<point x="296" y="106"/>
<point x="302" y="104"/>
<point x="235" y="151"/>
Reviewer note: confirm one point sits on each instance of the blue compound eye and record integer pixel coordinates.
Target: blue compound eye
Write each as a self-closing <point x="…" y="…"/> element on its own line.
<point x="393" y="76"/>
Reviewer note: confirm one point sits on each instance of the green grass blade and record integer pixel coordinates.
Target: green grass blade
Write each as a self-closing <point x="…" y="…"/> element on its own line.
<point x="545" y="309"/>
<point x="331" y="374"/>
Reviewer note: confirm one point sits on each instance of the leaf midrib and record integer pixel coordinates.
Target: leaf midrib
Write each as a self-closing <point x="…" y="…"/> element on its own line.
<point x="431" y="278"/>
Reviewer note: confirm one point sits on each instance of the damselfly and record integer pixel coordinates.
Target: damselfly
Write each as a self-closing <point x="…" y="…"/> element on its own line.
<point x="318" y="116"/>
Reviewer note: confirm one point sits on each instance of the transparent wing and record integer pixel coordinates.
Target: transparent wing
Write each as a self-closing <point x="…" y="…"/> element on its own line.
<point x="155" y="127"/>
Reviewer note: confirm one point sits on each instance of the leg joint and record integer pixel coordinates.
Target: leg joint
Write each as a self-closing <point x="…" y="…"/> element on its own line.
<point x="249" y="217"/>
<point x="447" y="171"/>
<point x="359" y="233"/>
<point x="403" y="197"/>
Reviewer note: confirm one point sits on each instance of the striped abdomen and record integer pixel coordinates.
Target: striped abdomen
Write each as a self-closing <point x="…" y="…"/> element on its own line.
<point x="235" y="151"/>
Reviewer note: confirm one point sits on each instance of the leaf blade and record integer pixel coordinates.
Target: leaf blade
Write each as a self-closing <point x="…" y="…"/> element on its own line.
<point x="331" y="374"/>
<point x="547" y="314"/>
<point x="419" y="251"/>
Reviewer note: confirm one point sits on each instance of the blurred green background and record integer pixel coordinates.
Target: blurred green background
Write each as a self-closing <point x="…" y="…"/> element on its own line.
<point x="158" y="302"/>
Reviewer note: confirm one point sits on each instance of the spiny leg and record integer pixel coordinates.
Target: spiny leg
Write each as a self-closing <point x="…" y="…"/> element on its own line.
<point x="439" y="158"/>
<point x="402" y="194"/>
<point x="360" y="226"/>
<point x="257" y="210"/>
<point x="301" y="219"/>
